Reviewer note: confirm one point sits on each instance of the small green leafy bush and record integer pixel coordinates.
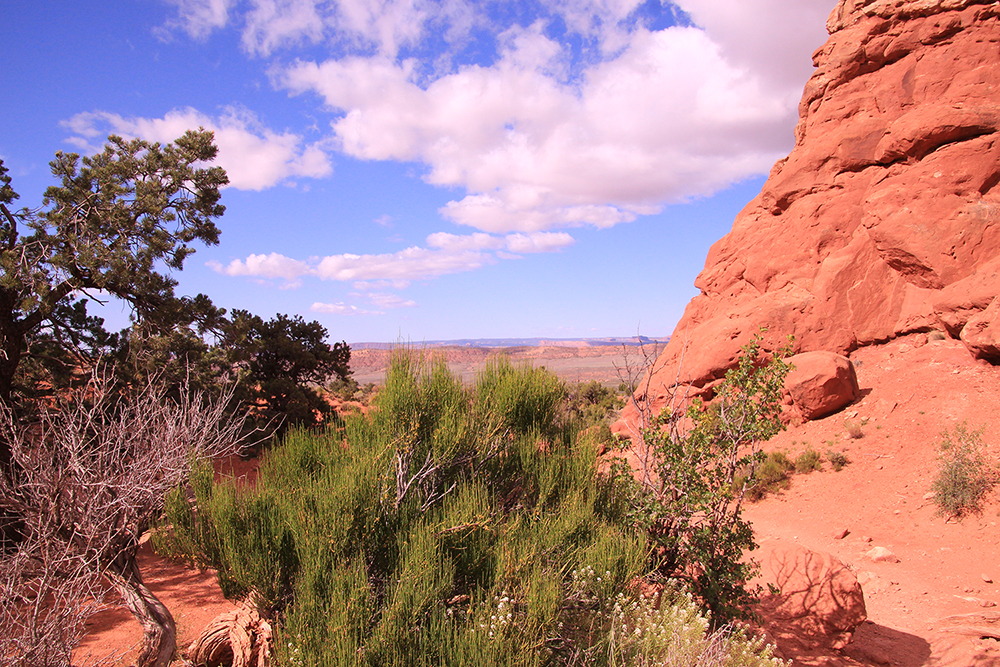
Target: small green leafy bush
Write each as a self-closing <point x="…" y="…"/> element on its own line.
<point x="687" y="499"/>
<point x="964" y="476"/>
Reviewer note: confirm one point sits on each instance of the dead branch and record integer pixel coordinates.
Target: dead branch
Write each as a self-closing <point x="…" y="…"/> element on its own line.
<point x="90" y="477"/>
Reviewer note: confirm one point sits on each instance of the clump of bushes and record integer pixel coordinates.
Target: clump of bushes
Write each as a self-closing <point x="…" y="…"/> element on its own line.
<point x="591" y="403"/>
<point x="451" y="525"/>
<point x="808" y="461"/>
<point x="964" y="476"/>
<point x="773" y="472"/>
<point x="769" y="476"/>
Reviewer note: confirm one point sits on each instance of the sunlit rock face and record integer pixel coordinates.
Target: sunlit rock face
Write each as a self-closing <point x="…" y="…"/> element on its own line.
<point x="885" y="217"/>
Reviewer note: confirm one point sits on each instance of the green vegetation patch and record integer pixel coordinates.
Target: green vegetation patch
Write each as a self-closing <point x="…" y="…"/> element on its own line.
<point x="964" y="476"/>
<point x="452" y="525"/>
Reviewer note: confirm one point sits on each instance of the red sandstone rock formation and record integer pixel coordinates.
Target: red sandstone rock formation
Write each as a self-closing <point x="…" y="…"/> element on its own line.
<point x="885" y="217"/>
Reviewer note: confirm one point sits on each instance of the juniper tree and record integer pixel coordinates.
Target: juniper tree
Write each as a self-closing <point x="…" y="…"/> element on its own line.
<point x="109" y="225"/>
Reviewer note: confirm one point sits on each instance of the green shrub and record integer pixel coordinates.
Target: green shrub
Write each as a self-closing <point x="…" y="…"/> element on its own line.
<point x="687" y="499"/>
<point x="837" y="459"/>
<point x="964" y="476"/>
<point x="768" y="476"/>
<point x="591" y="403"/>
<point x="452" y="525"/>
<point x="808" y="461"/>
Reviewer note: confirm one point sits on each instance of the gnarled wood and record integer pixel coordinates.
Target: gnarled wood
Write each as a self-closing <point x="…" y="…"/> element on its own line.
<point x="158" y="627"/>
<point x="240" y="638"/>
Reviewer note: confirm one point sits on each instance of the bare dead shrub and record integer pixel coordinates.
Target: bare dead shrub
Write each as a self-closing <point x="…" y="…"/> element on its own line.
<point x="87" y="479"/>
<point x="46" y="596"/>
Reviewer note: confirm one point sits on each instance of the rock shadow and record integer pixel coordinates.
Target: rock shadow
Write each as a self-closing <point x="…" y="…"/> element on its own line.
<point x="875" y="644"/>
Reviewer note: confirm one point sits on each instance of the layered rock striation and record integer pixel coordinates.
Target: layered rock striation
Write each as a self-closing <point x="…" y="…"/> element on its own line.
<point x="885" y="217"/>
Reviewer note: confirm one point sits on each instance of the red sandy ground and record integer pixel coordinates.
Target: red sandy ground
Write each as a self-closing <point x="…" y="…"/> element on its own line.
<point x="912" y="390"/>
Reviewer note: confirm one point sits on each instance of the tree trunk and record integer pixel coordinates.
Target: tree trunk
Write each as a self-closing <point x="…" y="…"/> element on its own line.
<point x="159" y="630"/>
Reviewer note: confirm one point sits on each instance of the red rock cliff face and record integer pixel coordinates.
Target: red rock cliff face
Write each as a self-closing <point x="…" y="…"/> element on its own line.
<point x="885" y="217"/>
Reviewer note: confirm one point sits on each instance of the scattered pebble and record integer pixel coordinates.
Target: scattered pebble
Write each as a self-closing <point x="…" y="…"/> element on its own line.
<point x="986" y="578"/>
<point x="841" y="534"/>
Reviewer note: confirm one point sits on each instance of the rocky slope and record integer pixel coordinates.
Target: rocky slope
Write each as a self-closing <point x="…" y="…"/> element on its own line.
<point x="884" y="219"/>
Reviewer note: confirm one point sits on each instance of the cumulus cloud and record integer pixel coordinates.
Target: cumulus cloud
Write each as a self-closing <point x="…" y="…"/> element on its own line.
<point x="272" y="265"/>
<point x="410" y="264"/>
<point x="538" y="242"/>
<point x="671" y="114"/>
<point x="446" y="254"/>
<point x="254" y="156"/>
<point x="538" y="136"/>
<point x="769" y="37"/>
<point x="518" y="243"/>
<point x="385" y="26"/>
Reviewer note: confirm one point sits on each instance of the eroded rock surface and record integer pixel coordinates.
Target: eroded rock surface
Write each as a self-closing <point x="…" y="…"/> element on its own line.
<point x="821" y="383"/>
<point x="884" y="219"/>
<point x="819" y="602"/>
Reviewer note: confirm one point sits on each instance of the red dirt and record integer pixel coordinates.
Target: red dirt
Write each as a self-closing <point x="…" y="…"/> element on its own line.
<point x="912" y="390"/>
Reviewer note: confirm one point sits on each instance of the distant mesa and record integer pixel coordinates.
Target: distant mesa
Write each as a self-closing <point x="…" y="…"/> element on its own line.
<point x="630" y="341"/>
<point x="885" y="218"/>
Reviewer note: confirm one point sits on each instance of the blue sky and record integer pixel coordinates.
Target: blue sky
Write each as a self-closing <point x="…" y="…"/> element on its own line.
<point x="432" y="169"/>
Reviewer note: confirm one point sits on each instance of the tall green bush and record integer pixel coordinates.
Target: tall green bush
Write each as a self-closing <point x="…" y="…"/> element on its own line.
<point x="451" y="525"/>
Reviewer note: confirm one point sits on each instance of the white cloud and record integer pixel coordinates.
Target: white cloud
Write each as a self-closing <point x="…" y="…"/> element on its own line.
<point x="456" y="242"/>
<point x="411" y="264"/>
<point x="272" y="24"/>
<point x="341" y="309"/>
<point x="538" y="242"/>
<point x="670" y="115"/>
<point x="255" y="157"/>
<point x="385" y="26"/>
<point x="198" y="18"/>
<point x="540" y="138"/>
<point x="769" y="37"/>
<point x="388" y="301"/>
<point x="272" y="265"/>
<point x="447" y="253"/>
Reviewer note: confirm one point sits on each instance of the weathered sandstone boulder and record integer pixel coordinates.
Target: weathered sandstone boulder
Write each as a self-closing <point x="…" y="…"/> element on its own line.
<point x="821" y="383"/>
<point x="885" y="218"/>
<point x="981" y="334"/>
<point x="820" y="602"/>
